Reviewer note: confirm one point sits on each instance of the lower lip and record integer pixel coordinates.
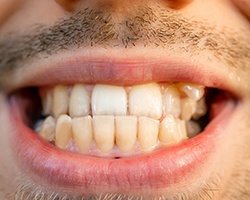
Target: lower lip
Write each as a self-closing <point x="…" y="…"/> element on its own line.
<point x="162" y="169"/>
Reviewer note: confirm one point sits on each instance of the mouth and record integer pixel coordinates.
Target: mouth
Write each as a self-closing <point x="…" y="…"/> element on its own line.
<point x="87" y="137"/>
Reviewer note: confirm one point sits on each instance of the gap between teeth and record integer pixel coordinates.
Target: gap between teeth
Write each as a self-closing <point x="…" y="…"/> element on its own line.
<point x="111" y="117"/>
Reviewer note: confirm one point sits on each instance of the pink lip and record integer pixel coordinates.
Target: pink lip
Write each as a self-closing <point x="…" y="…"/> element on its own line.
<point x="79" y="174"/>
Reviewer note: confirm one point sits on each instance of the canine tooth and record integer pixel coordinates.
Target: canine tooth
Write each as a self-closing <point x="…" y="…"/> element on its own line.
<point x="126" y="131"/>
<point x="104" y="132"/>
<point x="109" y="100"/>
<point x="193" y="129"/>
<point x="188" y="107"/>
<point x="60" y="100"/>
<point x="170" y="132"/>
<point x="79" y="104"/>
<point x="148" y="130"/>
<point x="201" y="109"/>
<point x="171" y="101"/>
<point x="146" y="100"/>
<point x="82" y="133"/>
<point x="63" y="131"/>
<point x="48" y="128"/>
<point x="194" y="91"/>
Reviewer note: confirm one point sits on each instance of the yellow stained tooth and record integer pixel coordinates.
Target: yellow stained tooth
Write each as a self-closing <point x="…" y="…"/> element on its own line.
<point x="172" y="130"/>
<point x="126" y="132"/>
<point x="171" y="101"/>
<point x="82" y="133"/>
<point x="48" y="129"/>
<point x="63" y="131"/>
<point x="104" y="132"/>
<point x="148" y="130"/>
<point x="47" y="102"/>
<point x="193" y="91"/>
<point x="146" y="100"/>
<point x="79" y="104"/>
<point x="188" y="107"/>
<point x="60" y="100"/>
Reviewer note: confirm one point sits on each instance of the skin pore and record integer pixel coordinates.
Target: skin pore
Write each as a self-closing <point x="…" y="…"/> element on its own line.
<point x="215" y="33"/>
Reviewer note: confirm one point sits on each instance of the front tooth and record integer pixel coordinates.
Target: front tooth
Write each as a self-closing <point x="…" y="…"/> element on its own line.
<point x="172" y="130"/>
<point x="193" y="91"/>
<point x="109" y="100"/>
<point x="79" y="104"/>
<point x="63" y="131"/>
<point x="171" y="101"/>
<point x="148" y="130"/>
<point x="82" y="133"/>
<point x="126" y="131"/>
<point x="188" y="107"/>
<point x="104" y="132"/>
<point x="60" y="100"/>
<point x="146" y="100"/>
<point x="48" y="128"/>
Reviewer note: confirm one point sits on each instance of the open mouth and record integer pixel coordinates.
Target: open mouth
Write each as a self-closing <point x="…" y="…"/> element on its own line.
<point x="86" y="139"/>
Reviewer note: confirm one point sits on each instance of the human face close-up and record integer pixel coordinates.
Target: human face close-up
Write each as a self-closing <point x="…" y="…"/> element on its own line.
<point x="112" y="99"/>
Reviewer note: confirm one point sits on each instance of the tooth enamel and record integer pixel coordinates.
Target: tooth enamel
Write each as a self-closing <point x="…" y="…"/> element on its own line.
<point x="79" y="104"/>
<point x="188" y="107"/>
<point x="82" y="133"/>
<point x="104" y="132"/>
<point x="193" y="91"/>
<point x="146" y="100"/>
<point x="171" y="101"/>
<point x="126" y="131"/>
<point x="201" y="109"/>
<point x="109" y="100"/>
<point x="171" y="130"/>
<point x="63" y="131"/>
<point x="193" y="129"/>
<point x="148" y="133"/>
<point x="48" y="128"/>
<point x="47" y="101"/>
<point x="60" y="100"/>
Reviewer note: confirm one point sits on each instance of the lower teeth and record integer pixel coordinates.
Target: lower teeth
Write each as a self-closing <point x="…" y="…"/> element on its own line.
<point x="108" y="131"/>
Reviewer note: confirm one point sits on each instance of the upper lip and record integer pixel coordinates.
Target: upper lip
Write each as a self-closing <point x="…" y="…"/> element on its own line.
<point x="67" y="170"/>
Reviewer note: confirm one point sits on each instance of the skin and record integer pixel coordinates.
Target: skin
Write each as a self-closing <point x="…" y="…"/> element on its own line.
<point x="228" y="21"/>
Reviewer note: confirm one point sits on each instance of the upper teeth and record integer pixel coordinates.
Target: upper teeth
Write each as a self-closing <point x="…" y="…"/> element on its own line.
<point x="121" y="115"/>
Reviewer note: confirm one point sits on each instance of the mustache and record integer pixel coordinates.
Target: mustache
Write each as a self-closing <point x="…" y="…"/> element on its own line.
<point x="145" y="27"/>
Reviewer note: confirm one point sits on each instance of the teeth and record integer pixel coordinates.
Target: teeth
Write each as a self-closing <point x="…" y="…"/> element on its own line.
<point x="82" y="133"/>
<point x="193" y="91"/>
<point x="63" y="131"/>
<point x="47" y="102"/>
<point x="171" y="101"/>
<point x="201" y="109"/>
<point x="146" y="100"/>
<point x="79" y="104"/>
<point x="60" y="101"/>
<point x="119" y="120"/>
<point x="172" y="130"/>
<point x="193" y="129"/>
<point x="109" y="100"/>
<point x="126" y="132"/>
<point x="188" y="107"/>
<point x="148" y="133"/>
<point x="48" y="128"/>
<point x="104" y="132"/>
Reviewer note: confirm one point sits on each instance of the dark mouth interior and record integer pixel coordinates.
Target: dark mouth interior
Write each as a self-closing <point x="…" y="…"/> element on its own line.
<point x="30" y="104"/>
